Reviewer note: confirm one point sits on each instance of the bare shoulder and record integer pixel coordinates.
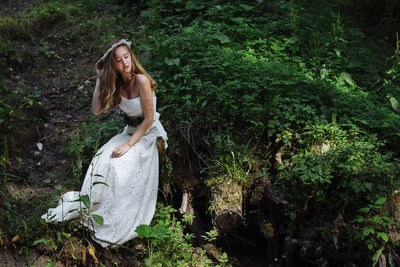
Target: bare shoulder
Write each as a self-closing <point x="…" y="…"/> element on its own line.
<point x="144" y="85"/>
<point x="142" y="80"/>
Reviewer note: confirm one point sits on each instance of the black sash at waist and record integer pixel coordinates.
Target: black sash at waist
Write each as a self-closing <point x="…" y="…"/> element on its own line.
<point x="133" y="121"/>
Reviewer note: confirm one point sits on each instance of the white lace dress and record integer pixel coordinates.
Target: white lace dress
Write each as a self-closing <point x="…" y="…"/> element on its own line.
<point x="128" y="197"/>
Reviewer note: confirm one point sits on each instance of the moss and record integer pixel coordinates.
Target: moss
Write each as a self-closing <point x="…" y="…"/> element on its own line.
<point x="227" y="196"/>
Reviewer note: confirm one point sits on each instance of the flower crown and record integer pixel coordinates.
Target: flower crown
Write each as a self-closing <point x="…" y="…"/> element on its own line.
<point x="120" y="42"/>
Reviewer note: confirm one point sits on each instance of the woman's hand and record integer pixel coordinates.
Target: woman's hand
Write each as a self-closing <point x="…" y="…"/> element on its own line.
<point x="99" y="68"/>
<point x="120" y="150"/>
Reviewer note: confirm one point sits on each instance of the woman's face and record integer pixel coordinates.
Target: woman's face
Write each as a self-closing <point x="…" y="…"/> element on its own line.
<point x="123" y="60"/>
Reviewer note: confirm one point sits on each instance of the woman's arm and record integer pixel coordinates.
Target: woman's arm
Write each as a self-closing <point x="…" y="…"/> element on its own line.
<point x="96" y="105"/>
<point x="146" y="100"/>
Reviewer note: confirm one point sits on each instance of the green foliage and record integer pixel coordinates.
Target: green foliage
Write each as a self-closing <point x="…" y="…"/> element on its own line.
<point x="47" y="15"/>
<point x="167" y="243"/>
<point x="343" y="178"/>
<point x="99" y="129"/>
<point x="13" y="28"/>
<point x="211" y="235"/>
<point x="75" y="149"/>
<point x="374" y="229"/>
<point x="234" y="168"/>
<point x="9" y="115"/>
<point x="84" y="210"/>
<point x="84" y="143"/>
<point x="291" y="74"/>
<point x="208" y="74"/>
<point x="16" y="223"/>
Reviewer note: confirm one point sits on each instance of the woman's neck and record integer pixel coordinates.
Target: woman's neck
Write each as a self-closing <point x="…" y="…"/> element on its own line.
<point x="126" y="77"/>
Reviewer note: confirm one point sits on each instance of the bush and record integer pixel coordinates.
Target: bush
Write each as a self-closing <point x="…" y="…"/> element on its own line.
<point x="344" y="178"/>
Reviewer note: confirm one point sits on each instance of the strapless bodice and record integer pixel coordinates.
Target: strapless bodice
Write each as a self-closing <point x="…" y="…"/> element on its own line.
<point x="133" y="108"/>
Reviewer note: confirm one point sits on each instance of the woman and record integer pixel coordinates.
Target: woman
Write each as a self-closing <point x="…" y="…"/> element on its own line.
<point x="121" y="183"/>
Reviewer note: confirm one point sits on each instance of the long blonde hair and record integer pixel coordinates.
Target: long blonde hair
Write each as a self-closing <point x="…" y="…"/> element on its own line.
<point x="111" y="81"/>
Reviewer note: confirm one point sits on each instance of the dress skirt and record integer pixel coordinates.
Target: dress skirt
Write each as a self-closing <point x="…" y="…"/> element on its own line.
<point x="123" y="191"/>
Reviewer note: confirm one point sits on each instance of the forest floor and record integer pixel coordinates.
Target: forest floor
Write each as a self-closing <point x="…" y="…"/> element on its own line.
<point x="10" y="7"/>
<point x="61" y="109"/>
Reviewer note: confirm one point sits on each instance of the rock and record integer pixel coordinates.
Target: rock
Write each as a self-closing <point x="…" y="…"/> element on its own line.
<point x="382" y="261"/>
<point x="212" y="251"/>
<point x="392" y="206"/>
<point x="39" y="146"/>
<point x="227" y="206"/>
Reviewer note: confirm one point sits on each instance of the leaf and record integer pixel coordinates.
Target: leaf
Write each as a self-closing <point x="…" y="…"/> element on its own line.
<point x="15" y="239"/>
<point x="367" y="231"/>
<point x="46" y="181"/>
<point x="177" y="61"/>
<point x="58" y="187"/>
<point x="359" y="219"/>
<point x="146" y="13"/>
<point x="85" y="200"/>
<point x="364" y="210"/>
<point x="72" y="210"/>
<point x="380" y="201"/>
<point x="368" y="186"/>
<point x="83" y="251"/>
<point x="92" y="252"/>
<point x="384" y="236"/>
<point x="159" y="230"/>
<point x="347" y="77"/>
<point x="237" y="20"/>
<point x="223" y="38"/>
<point x="390" y="260"/>
<point x="172" y="61"/>
<point x="40" y="241"/>
<point x="98" y="219"/>
<point x="67" y="235"/>
<point x="395" y="103"/>
<point x="99" y="183"/>
<point x="143" y="230"/>
<point x="246" y="7"/>
<point x="376" y="256"/>
<point x="189" y="29"/>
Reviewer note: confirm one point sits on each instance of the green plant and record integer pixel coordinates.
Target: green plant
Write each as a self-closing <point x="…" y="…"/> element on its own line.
<point x="4" y="161"/>
<point x="374" y="229"/>
<point x="85" y="214"/>
<point x="294" y="20"/>
<point x="343" y="177"/>
<point x="167" y="243"/>
<point x="236" y="169"/>
<point x="48" y="50"/>
<point x="211" y="235"/>
<point x="75" y="149"/>
<point x="84" y="210"/>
